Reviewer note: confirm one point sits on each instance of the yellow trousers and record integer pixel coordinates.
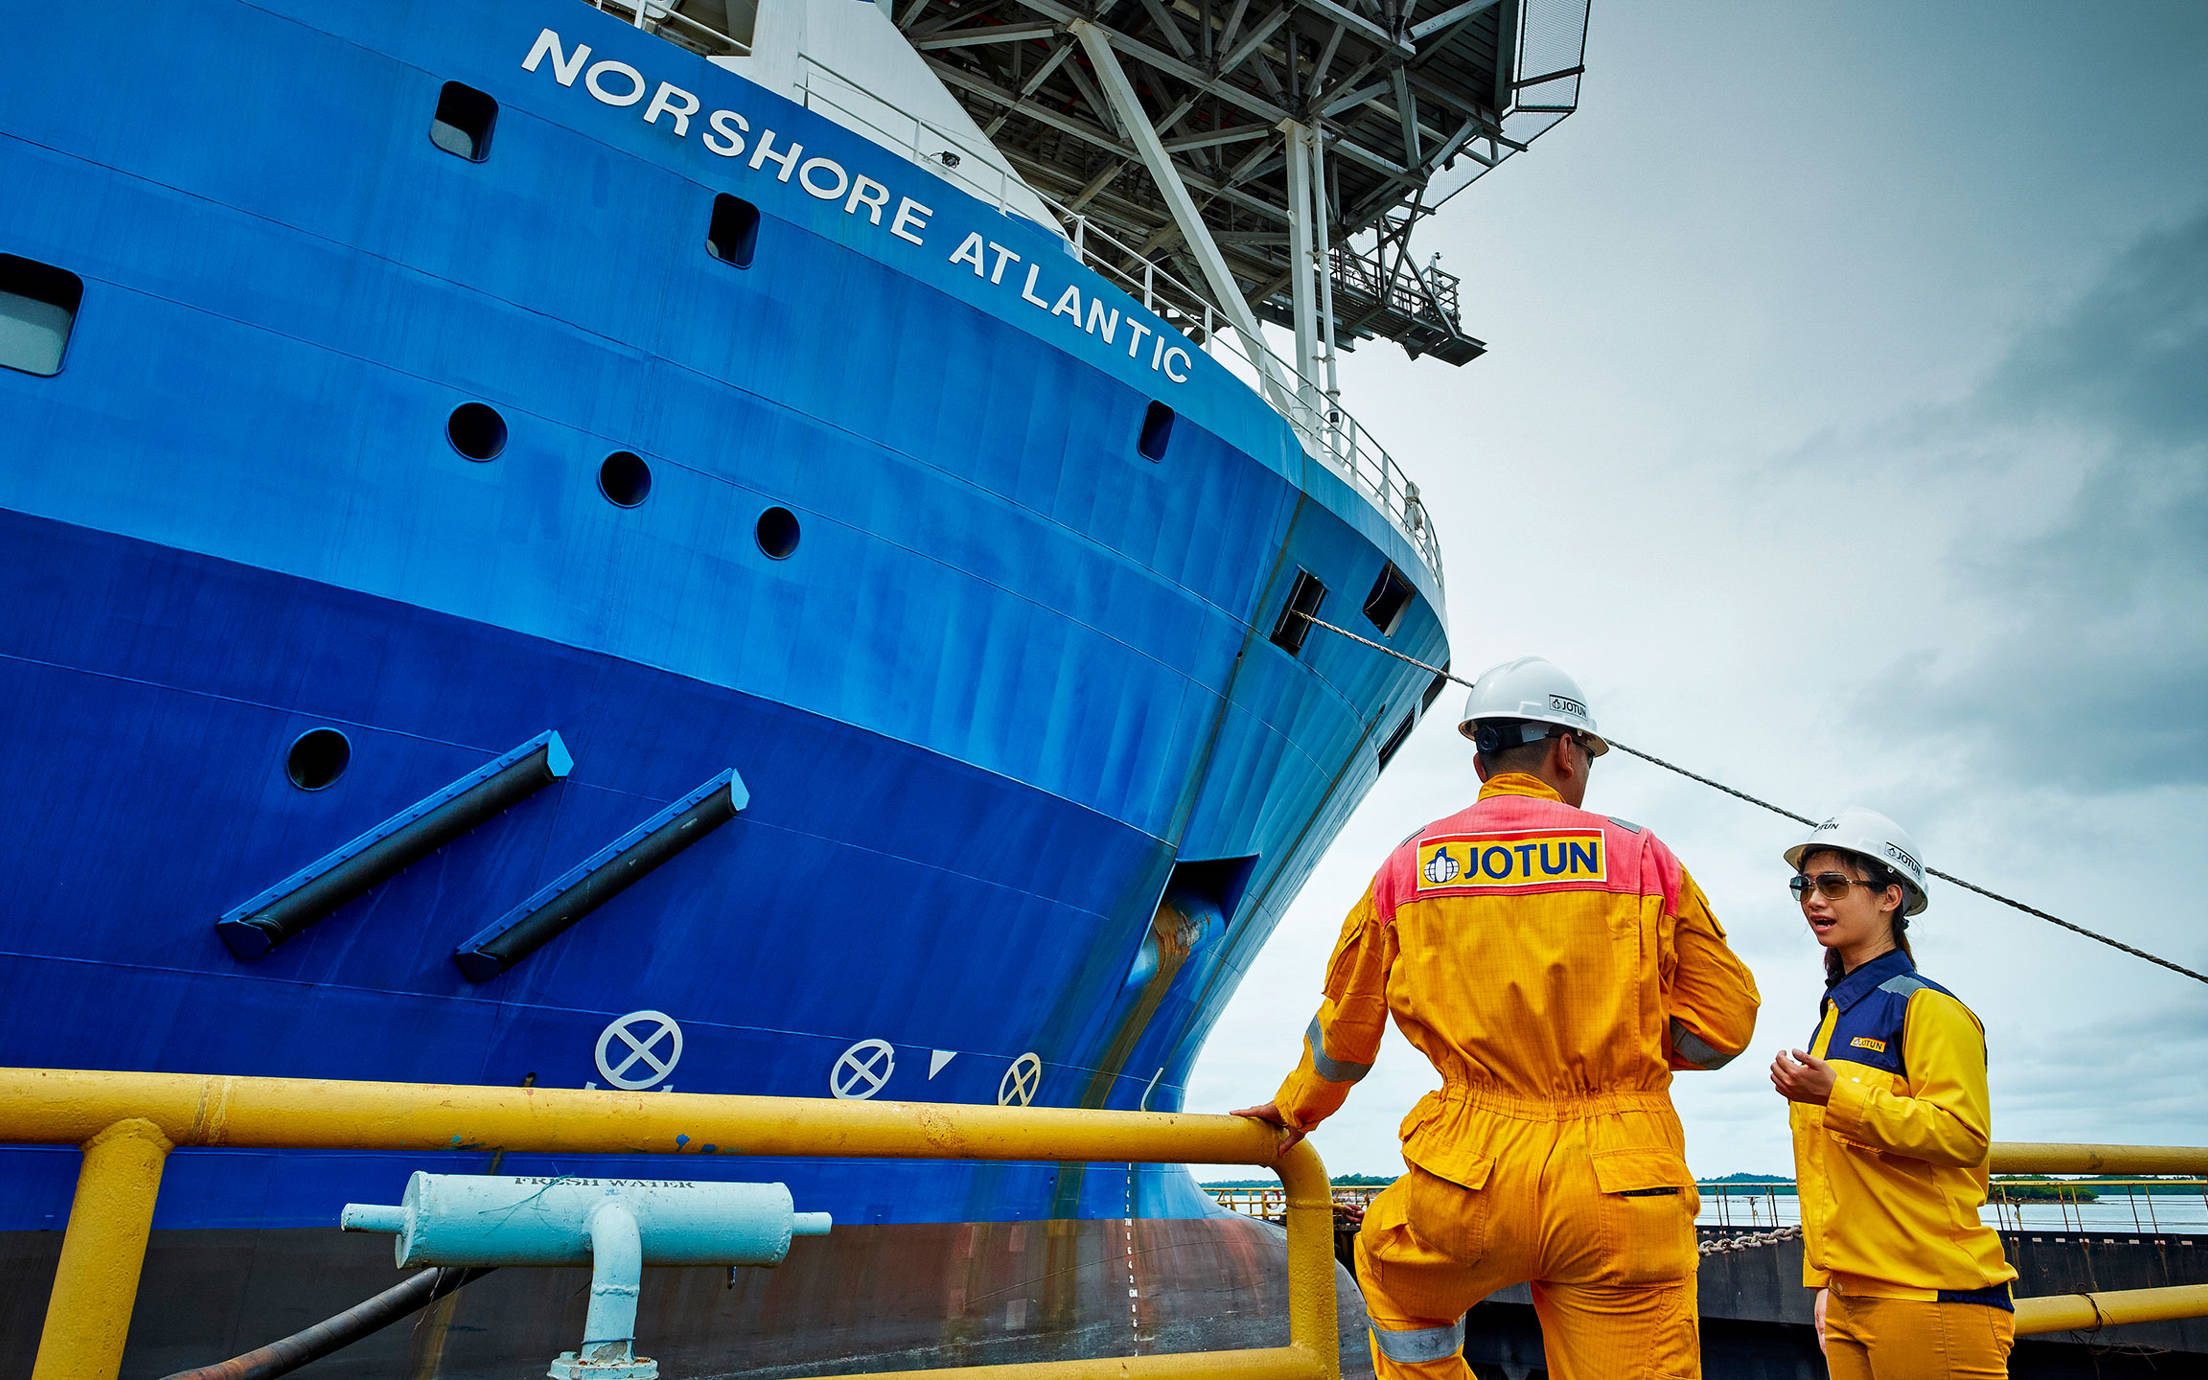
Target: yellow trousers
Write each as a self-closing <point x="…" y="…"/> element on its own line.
<point x="1903" y="1339"/>
<point x="1612" y="1275"/>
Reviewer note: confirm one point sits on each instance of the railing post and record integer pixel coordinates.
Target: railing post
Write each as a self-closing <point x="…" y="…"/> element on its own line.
<point x="102" y="1253"/>
<point x="1312" y="1326"/>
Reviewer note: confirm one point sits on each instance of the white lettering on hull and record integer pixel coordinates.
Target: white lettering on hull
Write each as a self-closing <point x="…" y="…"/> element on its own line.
<point x="728" y="134"/>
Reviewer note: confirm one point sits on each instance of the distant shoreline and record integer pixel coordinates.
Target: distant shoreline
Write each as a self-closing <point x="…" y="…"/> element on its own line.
<point x="2035" y="1190"/>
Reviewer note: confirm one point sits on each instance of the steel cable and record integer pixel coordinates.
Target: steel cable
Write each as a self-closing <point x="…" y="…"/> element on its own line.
<point x="1649" y="757"/>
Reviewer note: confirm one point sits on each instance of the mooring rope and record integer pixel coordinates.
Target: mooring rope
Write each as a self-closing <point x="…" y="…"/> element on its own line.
<point x="1737" y="794"/>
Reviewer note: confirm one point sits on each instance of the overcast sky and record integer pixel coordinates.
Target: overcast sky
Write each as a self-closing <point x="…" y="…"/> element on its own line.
<point x="1845" y="433"/>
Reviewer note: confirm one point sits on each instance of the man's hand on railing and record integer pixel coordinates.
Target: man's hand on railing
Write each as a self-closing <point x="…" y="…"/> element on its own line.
<point x="1270" y="1112"/>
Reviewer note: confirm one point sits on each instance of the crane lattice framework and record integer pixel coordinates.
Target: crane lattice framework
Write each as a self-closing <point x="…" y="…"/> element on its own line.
<point x="1234" y="139"/>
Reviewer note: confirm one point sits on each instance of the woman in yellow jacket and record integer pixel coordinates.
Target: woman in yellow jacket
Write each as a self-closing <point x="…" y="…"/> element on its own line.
<point x="1891" y="1128"/>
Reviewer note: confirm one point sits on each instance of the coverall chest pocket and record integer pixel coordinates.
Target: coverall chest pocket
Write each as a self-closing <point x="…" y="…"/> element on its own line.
<point x="1646" y="1211"/>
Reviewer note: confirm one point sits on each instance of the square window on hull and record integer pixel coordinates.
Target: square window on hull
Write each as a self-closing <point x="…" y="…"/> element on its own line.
<point x="463" y="123"/>
<point x="1391" y="594"/>
<point x="38" y="310"/>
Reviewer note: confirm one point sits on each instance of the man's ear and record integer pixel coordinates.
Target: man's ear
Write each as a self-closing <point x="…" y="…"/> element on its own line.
<point x="1563" y="757"/>
<point x="1479" y="765"/>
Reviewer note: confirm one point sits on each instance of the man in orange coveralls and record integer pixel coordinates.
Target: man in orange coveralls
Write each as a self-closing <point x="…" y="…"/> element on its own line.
<point x="1554" y="966"/>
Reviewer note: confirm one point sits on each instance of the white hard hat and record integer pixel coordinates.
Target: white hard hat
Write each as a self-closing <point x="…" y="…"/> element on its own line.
<point x="1531" y="689"/>
<point x="1869" y="834"/>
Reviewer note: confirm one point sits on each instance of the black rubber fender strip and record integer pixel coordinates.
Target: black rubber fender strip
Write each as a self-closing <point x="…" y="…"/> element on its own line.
<point x="334" y="1334"/>
<point x="289" y="907"/>
<point x="600" y="877"/>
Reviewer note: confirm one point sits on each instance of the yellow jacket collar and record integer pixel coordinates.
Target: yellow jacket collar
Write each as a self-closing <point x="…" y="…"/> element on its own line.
<point x="1518" y="783"/>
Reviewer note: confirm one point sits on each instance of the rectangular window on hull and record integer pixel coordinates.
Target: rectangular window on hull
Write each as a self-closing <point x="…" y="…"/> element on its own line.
<point x="1439" y="683"/>
<point x="1295" y="618"/>
<point x="1395" y="740"/>
<point x="1157" y="431"/>
<point x="463" y="123"/>
<point x="38" y="309"/>
<point x="734" y="231"/>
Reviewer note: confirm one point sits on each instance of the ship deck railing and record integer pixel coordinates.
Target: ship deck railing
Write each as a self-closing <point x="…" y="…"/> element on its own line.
<point x="1327" y="431"/>
<point x="661" y="17"/>
<point x="127" y="1123"/>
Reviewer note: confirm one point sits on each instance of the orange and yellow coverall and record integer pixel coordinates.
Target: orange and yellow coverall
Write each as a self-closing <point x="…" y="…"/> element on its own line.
<point x="1892" y="1172"/>
<point x="1554" y="966"/>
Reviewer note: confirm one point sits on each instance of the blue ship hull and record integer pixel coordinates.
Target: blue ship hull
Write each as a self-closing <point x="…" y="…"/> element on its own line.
<point x="1013" y="684"/>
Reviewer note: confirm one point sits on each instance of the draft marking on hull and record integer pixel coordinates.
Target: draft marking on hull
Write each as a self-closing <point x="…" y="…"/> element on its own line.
<point x="1019" y="1082"/>
<point x="861" y="1070"/>
<point x="654" y="1026"/>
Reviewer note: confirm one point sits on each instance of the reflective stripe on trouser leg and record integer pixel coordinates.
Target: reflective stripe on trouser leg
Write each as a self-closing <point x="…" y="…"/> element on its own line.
<point x="1417" y="1345"/>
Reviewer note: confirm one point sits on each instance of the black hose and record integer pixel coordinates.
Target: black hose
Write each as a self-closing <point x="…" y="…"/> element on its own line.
<point x="334" y="1334"/>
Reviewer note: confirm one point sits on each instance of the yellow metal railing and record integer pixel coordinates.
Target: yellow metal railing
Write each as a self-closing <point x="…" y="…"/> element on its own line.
<point x="128" y="1123"/>
<point x="2089" y="1312"/>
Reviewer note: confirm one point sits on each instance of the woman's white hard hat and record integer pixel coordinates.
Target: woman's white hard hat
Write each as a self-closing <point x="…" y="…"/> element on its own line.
<point x="1531" y="689"/>
<point x="1869" y="834"/>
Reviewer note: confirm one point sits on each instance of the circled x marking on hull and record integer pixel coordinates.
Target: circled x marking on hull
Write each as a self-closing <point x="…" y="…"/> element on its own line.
<point x="862" y="1069"/>
<point x="1019" y="1082"/>
<point x="640" y="1032"/>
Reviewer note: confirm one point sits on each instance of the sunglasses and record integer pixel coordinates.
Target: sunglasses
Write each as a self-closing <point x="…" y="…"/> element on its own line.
<point x="1833" y="886"/>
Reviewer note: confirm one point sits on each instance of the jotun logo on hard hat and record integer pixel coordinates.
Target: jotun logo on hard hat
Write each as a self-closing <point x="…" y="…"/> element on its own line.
<point x="1908" y="860"/>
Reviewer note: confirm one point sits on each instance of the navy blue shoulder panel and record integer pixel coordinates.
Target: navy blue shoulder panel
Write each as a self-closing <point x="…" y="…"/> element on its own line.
<point x="1870" y="1032"/>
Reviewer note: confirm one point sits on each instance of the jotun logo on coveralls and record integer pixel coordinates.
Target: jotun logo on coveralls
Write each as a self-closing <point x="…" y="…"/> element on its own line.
<point x="1466" y="862"/>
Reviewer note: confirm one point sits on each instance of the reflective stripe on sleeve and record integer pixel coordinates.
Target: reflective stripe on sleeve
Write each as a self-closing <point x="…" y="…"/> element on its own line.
<point x="1420" y="1343"/>
<point x="1694" y="1049"/>
<point x="1902" y="984"/>
<point x="1332" y="1070"/>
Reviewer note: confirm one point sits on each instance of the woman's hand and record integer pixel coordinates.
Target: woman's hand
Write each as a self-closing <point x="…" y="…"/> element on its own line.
<point x="1822" y="1295"/>
<point x="1802" y="1077"/>
<point x="1271" y="1112"/>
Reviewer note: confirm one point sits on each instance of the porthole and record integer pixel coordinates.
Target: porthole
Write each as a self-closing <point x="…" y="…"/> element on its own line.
<point x="777" y="532"/>
<point x="317" y="758"/>
<point x="476" y="431"/>
<point x="463" y="122"/>
<point x="625" y="479"/>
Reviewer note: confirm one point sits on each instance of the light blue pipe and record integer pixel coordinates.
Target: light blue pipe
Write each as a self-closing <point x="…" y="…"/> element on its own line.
<point x="616" y="1226"/>
<point x="616" y="1276"/>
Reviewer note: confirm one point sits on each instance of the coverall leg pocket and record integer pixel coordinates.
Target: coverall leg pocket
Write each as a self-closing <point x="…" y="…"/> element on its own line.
<point x="1646" y="1213"/>
<point x="1648" y="1236"/>
<point x="1417" y="1252"/>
